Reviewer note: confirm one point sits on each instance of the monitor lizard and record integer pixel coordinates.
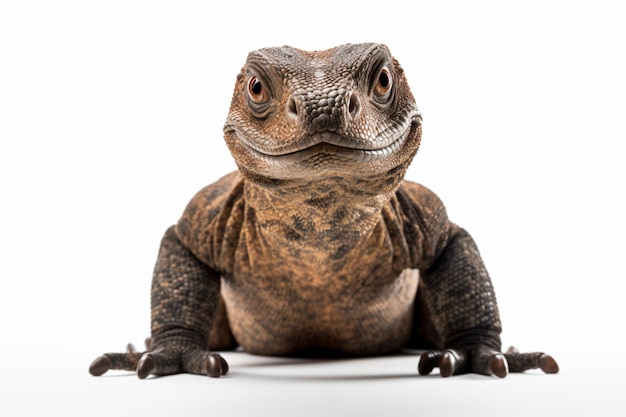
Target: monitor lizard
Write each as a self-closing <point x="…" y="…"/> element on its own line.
<point x="317" y="242"/>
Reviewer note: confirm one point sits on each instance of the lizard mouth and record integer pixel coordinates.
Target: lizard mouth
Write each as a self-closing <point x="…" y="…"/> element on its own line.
<point x="341" y="146"/>
<point x="333" y="144"/>
<point x="321" y="140"/>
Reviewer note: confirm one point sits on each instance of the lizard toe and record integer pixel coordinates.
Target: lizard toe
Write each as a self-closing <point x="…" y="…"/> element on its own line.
<point x="548" y="365"/>
<point x="215" y="365"/>
<point x="118" y="361"/>
<point x="202" y="362"/>
<point x="448" y="364"/>
<point x="428" y="361"/>
<point x="146" y="366"/>
<point x="520" y="362"/>
<point x="453" y="362"/>
<point x="100" y="365"/>
<point x="498" y="366"/>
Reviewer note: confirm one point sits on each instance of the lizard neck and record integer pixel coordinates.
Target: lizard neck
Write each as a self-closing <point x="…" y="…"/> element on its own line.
<point x="330" y="212"/>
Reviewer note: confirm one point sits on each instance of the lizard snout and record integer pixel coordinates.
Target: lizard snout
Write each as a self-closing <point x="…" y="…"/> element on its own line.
<point x="327" y="110"/>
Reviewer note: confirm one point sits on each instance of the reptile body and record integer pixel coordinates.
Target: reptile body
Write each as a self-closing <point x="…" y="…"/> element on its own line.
<point x="317" y="242"/>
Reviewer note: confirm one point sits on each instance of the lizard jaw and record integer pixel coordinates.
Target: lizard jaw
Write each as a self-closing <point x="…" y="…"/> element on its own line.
<point x="319" y="146"/>
<point x="311" y="141"/>
<point x="330" y="143"/>
<point x="326" y="155"/>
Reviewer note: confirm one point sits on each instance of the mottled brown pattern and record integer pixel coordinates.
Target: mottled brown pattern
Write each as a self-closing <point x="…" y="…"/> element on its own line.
<point x="318" y="242"/>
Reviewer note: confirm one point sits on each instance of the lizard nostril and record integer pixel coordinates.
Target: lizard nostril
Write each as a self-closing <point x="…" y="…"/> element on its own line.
<point x="292" y="108"/>
<point x="353" y="105"/>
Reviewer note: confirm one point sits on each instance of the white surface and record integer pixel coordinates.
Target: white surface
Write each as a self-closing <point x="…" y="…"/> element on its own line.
<point x="261" y="386"/>
<point x="110" y="119"/>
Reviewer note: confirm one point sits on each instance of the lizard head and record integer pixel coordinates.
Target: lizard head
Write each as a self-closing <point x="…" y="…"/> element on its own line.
<point x="346" y="112"/>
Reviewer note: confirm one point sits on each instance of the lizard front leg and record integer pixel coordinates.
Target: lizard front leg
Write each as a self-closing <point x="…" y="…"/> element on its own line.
<point x="462" y="307"/>
<point x="184" y="300"/>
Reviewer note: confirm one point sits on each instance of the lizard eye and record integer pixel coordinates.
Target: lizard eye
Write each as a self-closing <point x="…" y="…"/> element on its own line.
<point x="383" y="83"/>
<point x="256" y="91"/>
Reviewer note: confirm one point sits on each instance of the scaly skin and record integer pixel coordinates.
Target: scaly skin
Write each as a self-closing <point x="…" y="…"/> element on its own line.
<point x="318" y="242"/>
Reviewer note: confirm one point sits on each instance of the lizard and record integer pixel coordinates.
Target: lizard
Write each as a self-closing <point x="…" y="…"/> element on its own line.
<point x="317" y="242"/>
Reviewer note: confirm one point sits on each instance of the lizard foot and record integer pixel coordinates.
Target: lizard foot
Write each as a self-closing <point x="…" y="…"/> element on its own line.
<point x="484" y="361"/>
<point x="161" y="361"/>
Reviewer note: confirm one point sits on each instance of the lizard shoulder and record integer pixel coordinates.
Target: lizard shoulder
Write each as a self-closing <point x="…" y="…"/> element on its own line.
<point x="209" y="214"/>
<point x="426" y="222"/>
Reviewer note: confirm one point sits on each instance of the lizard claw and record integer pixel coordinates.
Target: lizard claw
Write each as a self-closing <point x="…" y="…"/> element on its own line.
<point x="498" y="365"/>
<point x="215" y="366"/>
<point x="428" y="361"/>
<point x="447" y="364"/>
<point x="452" y="362"/>
<point x="548" y="365"/>
<point x="100" y="365"/>
<point x="146" y="366"/>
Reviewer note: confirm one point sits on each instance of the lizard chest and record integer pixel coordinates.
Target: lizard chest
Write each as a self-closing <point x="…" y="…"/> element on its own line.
<point x="352" y="295"/>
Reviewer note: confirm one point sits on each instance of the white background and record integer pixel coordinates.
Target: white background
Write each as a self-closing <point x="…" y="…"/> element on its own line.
<point x="111" y="117"/>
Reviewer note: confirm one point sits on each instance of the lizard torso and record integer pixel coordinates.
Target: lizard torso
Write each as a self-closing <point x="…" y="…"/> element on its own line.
<point x="344" y="281"/>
